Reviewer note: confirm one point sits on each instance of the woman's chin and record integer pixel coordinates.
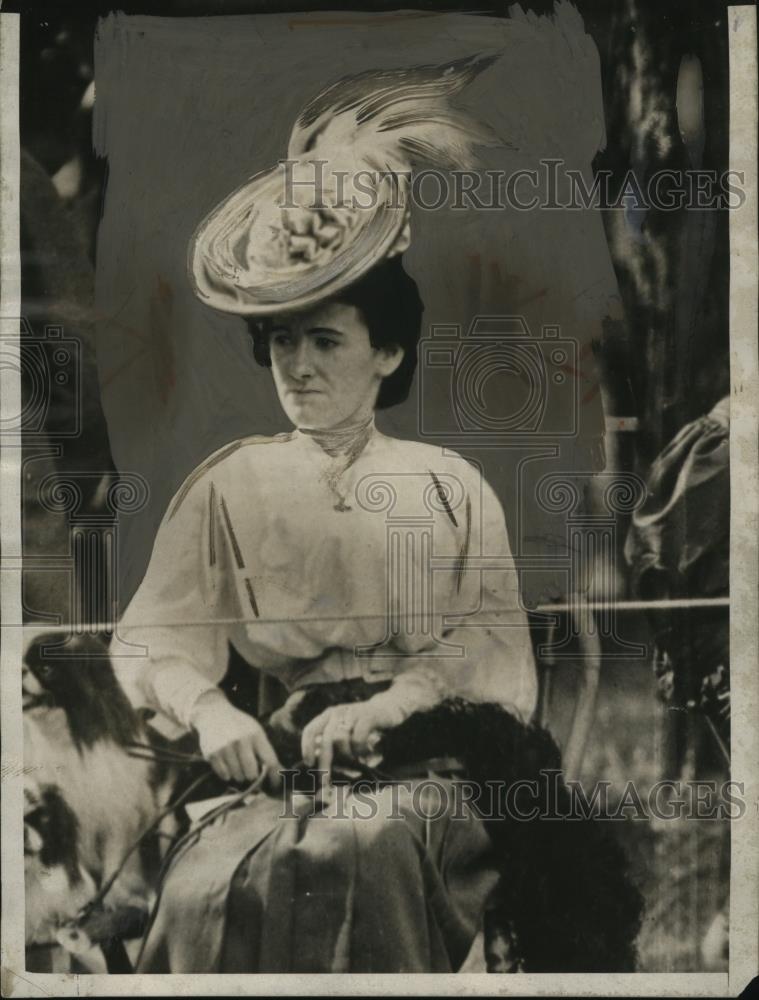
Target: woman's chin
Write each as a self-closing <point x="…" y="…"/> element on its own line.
<point x="309" y="416"/>
<point x="300" y="408"/>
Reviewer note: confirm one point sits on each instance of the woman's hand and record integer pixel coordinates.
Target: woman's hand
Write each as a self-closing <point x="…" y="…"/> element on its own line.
<point x="233" y="743"/>
<point x="349" y="731"/>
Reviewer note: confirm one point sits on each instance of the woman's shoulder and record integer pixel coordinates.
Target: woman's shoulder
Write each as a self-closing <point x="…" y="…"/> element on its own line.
<point x="420" y="456"/>
<point x="452" y="475"/>
<point x="226" y="463"/>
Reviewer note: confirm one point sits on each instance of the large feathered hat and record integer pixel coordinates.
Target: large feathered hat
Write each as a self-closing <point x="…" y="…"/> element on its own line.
<point x="339" y="202"/>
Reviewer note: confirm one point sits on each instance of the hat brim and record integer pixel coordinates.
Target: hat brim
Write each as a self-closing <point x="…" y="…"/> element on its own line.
<point x="235" y="261"/>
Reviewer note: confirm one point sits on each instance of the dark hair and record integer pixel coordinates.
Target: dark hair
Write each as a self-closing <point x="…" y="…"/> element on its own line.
<point x="389" y="302"/>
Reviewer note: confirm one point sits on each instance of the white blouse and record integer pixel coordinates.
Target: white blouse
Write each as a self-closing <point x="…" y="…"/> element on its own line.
<point x="392" y="565"/>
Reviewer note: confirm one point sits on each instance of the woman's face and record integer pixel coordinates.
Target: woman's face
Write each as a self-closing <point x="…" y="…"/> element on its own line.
<point x="325" y="369"/>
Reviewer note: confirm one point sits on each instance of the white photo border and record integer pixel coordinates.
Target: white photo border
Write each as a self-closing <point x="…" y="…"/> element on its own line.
<point x="744" y="588"/>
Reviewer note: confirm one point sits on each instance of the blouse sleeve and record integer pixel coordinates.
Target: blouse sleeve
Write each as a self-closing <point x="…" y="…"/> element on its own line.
<point x="481" y="617"/>
<point x="172" y="660"/>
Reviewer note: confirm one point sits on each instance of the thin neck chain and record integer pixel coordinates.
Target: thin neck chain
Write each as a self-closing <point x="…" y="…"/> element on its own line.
<point x="349" y="441"/>
<point x="344" y="444"/>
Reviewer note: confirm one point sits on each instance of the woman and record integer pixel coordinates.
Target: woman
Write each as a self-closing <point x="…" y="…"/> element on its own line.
<point x="278" y="538"/>
<point x="347" y="565"/>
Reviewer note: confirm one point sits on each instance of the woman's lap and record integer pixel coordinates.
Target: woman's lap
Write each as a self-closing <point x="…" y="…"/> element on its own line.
<point x="368" y="885"/>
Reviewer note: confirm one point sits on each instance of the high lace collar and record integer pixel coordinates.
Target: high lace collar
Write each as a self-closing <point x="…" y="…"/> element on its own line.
<point x="348" y="441"/>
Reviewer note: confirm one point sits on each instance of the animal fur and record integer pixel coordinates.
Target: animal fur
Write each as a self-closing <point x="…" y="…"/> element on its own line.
<point x="565" y="889"/>
<point x="77" y="724"/>
<point x="78" y="678"/>
<point x="56" y="883"/>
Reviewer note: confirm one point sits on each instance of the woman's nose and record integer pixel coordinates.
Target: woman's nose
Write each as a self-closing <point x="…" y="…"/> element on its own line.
<point x="303" y="366"/>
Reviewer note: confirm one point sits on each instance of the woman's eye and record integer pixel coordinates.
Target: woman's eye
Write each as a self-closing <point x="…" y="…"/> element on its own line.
<point x="325" y="343"/>
<point x="281" y="339"/>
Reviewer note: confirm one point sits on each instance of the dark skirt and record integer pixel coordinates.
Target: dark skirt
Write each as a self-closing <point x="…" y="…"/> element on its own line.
<point x="392" y="879"/>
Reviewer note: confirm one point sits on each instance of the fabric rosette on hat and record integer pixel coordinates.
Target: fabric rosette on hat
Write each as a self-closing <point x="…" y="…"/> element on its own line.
<point x="339" y="201"/>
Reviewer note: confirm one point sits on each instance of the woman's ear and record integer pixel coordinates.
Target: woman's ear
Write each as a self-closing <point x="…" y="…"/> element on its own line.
<point x="388" y="359"/>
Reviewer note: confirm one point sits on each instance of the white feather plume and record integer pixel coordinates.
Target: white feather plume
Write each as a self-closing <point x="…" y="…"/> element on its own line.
<point x="393" y="119"/>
